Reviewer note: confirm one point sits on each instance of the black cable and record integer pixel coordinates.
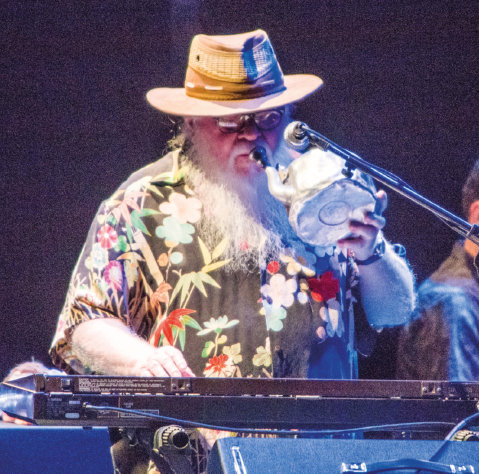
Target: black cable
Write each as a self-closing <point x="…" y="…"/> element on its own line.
<point x="451" y="433"/>
<point x="391" y="427"/>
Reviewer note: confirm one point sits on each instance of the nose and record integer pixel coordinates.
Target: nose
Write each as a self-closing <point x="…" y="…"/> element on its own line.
<point x="250" y="131"/>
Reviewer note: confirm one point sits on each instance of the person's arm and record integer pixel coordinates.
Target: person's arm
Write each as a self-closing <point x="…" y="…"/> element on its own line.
<point x="107" y="346"/>
<point x="423" y="345"/>
<point x="460" y="311"/>
<point x="387" y="285"/>
<point x="387" y="290"/>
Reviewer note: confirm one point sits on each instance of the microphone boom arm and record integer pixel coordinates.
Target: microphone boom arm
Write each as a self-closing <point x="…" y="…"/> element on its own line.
<point x="353" y="161"/>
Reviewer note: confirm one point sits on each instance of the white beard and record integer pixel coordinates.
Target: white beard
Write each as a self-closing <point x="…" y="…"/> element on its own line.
<point x="255" y="222"/>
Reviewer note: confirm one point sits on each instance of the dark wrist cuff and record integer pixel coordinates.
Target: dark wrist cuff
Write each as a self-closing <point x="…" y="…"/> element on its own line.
<point x="377" y="254"/>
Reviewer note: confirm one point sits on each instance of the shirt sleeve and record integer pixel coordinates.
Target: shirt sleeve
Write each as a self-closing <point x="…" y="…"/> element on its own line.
<point x="117" y="275"/>
<point x="423" y="346"/>
<point x="461" y="314"/>
<point x="98" y="286"/>
<point x="441" y="341"/>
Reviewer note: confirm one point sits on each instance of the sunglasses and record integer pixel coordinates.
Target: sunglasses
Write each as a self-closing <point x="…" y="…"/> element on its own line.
<point x="264" y="120"/>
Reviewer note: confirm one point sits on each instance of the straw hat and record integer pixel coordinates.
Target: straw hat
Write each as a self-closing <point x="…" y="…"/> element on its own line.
<point x="233" y="74"/>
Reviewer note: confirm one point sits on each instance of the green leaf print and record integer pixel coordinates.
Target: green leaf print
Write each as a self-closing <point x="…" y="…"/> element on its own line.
<point x="205" y="252"/>
<point x="209" y="346"/>
<point x="137" y="222"/>
<point x="207" y="279"/>
<point x="189" y="321"/>
<point x="149" y="212"/>
<point x="196" y="279"/>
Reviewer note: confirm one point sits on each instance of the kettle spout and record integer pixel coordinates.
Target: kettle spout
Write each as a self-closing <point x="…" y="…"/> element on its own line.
<point x="277" y="188"/>
<point x="282" y="192"/>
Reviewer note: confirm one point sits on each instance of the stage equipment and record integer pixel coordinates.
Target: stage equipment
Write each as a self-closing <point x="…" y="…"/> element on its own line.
<point x="236" y="403"/>
<point x="40" y="450"/>
<point x="298" y="456"/>
<point x="299" y="137"/>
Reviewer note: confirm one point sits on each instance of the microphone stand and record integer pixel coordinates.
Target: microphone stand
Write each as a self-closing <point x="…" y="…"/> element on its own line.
<point x="353" y="161"/>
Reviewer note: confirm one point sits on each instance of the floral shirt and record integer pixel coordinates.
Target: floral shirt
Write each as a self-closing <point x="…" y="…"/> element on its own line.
<point x="145" y="264"/>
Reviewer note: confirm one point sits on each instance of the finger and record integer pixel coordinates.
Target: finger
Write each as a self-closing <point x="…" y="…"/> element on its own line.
<point x="381" y="202"/>
<point x="17" y="421"/>
<point x="363" y="237"/>
<point x="368" y="231"/>
<point x="162" y="361"/>
<point x="144" y="372"/>
<point x="374" y="220"/>
<point x="8" y="418"/>
<point x="187" y="372"/>
<point x="179" y="361"/>
<point x="164" y="367"/>
<point x="351" y="243"/>
<point x="21" y="422"/>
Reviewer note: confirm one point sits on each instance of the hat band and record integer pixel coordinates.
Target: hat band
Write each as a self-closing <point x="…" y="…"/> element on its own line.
<point x="202" y="87"/>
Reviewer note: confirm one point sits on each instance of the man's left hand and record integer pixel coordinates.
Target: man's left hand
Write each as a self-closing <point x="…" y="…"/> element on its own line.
<point x="22" y="370"/>
<point x="8" y="419"/>
<point x="363" y="238"/>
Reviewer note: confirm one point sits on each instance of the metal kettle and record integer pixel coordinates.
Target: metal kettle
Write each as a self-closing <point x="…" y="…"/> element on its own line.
<point x="320" y="199"/>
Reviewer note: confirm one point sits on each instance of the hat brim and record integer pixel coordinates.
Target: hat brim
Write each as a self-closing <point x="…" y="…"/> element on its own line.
<point x="174" y="101"/>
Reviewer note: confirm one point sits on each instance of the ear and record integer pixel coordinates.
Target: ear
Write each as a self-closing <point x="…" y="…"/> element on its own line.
<point x="474" y="213"/>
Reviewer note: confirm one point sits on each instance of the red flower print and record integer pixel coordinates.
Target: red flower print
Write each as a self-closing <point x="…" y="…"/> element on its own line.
<point x="217" y="363"/>
<point x="107" y="237"/>
<point x="325" y="288"/>
<point x="165" y="326"/>
<point x="114" y="275"/>
<point x="273" y="267"/>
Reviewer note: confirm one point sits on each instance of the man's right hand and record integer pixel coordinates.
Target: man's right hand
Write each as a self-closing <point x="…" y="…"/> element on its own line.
<point x="107" y="346"/>
<point x="164" y="361"/>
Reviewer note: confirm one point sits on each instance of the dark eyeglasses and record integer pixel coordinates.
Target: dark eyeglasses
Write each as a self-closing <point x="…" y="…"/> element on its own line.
<point x="265" y="120"/>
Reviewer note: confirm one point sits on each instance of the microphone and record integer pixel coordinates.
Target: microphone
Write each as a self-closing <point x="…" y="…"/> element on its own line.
<point x="295" y="137"/>
<point x="299" y="136"/>
<point x="259" y="155"/>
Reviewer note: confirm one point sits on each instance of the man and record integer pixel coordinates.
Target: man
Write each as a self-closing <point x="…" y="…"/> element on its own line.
<point x="442" y="340"/>
<point x="191" y="267"/>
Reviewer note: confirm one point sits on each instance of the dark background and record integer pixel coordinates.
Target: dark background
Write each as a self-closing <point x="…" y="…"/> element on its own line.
<point x="401" y="90"/>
